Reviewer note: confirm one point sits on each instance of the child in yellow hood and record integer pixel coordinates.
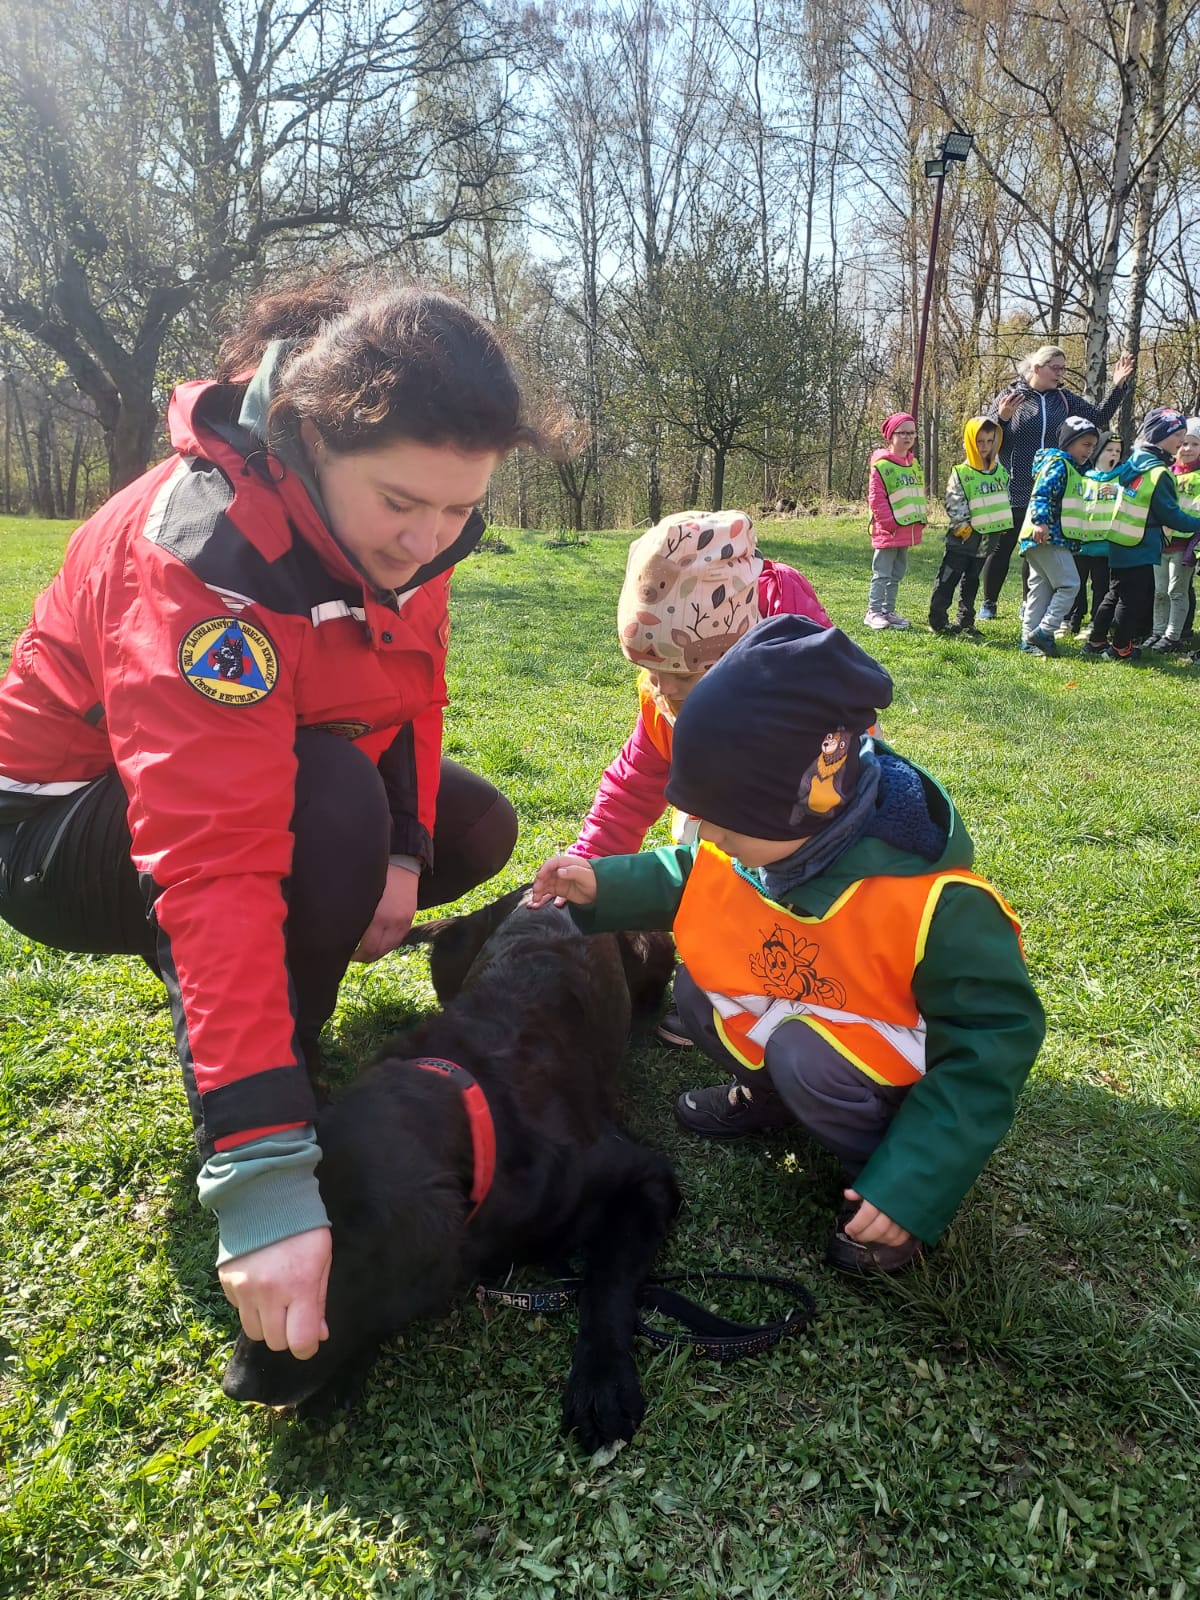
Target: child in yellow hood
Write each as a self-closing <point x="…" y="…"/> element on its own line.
<point x="977" y="504"/>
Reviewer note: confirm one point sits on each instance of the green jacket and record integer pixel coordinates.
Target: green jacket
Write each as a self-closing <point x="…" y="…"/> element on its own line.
<point x="985" y="1023"/>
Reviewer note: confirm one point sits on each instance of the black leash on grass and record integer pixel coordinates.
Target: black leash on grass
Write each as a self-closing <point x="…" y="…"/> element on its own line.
<point x="701" y="1330"/>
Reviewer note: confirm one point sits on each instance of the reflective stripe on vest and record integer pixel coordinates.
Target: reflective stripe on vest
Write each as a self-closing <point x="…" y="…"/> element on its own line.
<point x="848" y="974"/>
<point x="1125" y="522"/>
<point x="1076" y="511"/>
<point x="905" y="491"/>
<point x="987" y="498"/>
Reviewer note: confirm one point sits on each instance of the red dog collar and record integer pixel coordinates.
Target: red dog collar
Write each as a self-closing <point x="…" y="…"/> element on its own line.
<point x="479" y="1118"/>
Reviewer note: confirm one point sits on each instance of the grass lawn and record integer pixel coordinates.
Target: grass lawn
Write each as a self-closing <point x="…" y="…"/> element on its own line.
<point x="1020" y="1416"/>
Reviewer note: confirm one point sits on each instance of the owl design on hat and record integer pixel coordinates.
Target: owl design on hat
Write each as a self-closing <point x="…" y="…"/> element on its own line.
<point x="690" y="591"/>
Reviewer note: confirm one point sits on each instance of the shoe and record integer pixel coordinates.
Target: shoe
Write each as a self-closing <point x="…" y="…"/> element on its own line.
<point x="875" y="619"/>
<point x="672" y="1031"/>
<point x="1084" y="633"/>
<point x="1094" y="650"/>
<point x="895" y="620"/>
<point x="1064" y="631"/>
<point x="731" y="1111"/>
<point x="987" y="613"/>
<point x="1151" y="640"/>
<point x="1031" y="647"/>
<point x="867" y="1260"/>
<point x="940" y="624"/>
<point x="968" y="630"/>
<point x="1133" y="653"/>
<point x="1165" y="646"/>
<point x="1047" y="642"/>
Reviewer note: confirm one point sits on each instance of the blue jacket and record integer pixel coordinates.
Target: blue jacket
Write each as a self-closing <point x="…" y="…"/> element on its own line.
<point x="1165" y="510"/>
<point x="1045" y="503"/>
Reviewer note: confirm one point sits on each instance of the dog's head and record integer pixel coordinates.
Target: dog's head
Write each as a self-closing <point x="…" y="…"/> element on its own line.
<point x="396" y="1208"/>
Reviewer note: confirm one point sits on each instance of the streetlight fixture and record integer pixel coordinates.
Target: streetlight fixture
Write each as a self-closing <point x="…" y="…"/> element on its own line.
<point x="956" y="146"/>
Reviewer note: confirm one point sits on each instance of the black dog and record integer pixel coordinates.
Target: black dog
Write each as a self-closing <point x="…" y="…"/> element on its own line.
<point x="538" y="1014"/>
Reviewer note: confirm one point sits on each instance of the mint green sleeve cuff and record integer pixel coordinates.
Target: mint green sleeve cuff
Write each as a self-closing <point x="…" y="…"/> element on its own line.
<point x="263" y="1191"/>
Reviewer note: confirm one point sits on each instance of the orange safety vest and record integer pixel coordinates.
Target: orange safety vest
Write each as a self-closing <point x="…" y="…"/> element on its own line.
<point x="847" y="975"/>
<point x="657" y="725"/>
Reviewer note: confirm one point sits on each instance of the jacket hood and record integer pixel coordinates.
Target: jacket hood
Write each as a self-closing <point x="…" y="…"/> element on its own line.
<point x="873" y="856"/>
<point x="971" y="433"/>
<point x="1051" y="453"/>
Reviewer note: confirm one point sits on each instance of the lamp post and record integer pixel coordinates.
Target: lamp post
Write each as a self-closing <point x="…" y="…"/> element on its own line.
<point x="956" y="146"/>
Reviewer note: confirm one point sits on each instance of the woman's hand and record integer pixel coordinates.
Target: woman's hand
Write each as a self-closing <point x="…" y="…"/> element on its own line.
<point x="869" y="1225"/>
<point x="1007" y="406"/>
<point x="564" y="878"/>
<point x="1125" y="368"/>
<point x="279" y="1291"/>
<point x="393" y="915"/>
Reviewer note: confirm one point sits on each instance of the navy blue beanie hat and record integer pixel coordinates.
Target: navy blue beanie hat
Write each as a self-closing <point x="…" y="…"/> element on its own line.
<point x="1160" y="424"/>
<point x="767" y="742"/>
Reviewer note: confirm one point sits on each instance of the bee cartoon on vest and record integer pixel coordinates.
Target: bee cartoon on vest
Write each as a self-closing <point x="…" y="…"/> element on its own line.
<point x="785" y="966"/>
<point x="822" y="787"/>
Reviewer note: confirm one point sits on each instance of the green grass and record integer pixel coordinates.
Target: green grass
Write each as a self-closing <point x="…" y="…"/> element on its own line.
<point x="1021" y="1416"/>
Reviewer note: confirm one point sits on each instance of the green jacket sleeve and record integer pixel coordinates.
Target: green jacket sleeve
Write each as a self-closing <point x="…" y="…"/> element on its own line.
<point x="985" y="1026"/>
<point x="641" y="891"/>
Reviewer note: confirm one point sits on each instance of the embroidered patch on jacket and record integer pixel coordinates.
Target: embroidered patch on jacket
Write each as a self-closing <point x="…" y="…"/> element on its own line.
<point x="786" y="968"/>
<point x="228" y="660"/>
<point x="824" y="785"/>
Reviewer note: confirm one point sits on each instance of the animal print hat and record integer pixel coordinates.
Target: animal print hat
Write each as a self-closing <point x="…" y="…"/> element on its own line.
<point x="690" y="591"/>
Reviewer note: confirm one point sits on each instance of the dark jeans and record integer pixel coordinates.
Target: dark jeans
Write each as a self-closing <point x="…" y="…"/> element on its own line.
<point x="997" y="556"/>
<point x="1126" y="613"/>
<point x="67" y="880"/>
<point x="1093" y="574"/>
<point x="957" y="568"/>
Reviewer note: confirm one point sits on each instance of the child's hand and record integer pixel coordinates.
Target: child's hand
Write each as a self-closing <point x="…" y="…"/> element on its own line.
<point x="564" y="878"/>
<point x="869" y="1225"/>
<point x="1040" y="533"/>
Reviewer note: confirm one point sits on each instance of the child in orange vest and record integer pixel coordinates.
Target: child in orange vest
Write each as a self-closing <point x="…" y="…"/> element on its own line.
<point x="838" y="954"/>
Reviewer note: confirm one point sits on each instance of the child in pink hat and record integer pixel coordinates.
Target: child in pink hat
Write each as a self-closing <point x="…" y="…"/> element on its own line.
<point x="896" y="499"/>
<point x="694" y="585"/>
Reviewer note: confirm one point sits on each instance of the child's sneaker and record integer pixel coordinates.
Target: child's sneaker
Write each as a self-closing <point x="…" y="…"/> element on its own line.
<point x="895" y="620"/>
<point x="1166" y="646"/>
<point x="1095" y="651"/>
<point x="731" y="1111"/>
<point x="987" y="613"/>
<point x="672" y="1031"/>
<point x="1031" y="647"/>
<point x="875" y="619"/>
<point x="1131" y="653"/>
<point x="1064" y="631"/>
<point x="848" y="1255"/>
<point x="939" y="622"/>
<point x="1046" y="640"/>
<point x="968" y="630"/>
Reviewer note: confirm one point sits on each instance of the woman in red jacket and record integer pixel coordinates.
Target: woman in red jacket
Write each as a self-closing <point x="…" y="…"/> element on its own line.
<point x="220" y="735"/>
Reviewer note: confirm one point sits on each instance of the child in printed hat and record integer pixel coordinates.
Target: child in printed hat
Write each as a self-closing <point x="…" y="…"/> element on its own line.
<point x="839" y="956"/>
<point x="1057" y="494"/>
<point x="694" y="585"/>
<point x="896" y="500"/>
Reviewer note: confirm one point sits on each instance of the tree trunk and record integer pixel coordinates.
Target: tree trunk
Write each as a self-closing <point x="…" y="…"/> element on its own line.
<point x="718" y="478"/>
<point x="1147" y="195"/>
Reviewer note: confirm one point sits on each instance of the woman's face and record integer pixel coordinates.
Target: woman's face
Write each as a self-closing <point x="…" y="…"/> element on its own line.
<point x="396" y="507"/>
<point x="904" y="438"/>
<point x="1049" y="376"/>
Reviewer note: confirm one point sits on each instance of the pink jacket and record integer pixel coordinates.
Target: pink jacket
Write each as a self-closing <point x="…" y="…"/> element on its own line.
<point x="886" y="534"/>
<point x="633" y="791"/>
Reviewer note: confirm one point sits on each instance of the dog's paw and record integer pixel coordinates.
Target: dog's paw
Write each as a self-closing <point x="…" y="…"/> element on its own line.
<point x="603" y="1402"/>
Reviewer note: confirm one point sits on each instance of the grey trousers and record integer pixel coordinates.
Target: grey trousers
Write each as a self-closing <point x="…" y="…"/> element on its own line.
<point x="845" y="1111"/>
<point x="887" y="568"/>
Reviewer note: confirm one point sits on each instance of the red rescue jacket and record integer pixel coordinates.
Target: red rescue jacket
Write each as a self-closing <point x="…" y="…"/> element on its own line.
<point x="202" y="616"/>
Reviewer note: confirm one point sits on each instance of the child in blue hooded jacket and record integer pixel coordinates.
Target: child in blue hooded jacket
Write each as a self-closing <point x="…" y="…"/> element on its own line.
<point x="1053" y="576"/>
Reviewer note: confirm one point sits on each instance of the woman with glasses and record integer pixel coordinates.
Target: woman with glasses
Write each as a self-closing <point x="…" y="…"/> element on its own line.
<point x="1032" y="409"/>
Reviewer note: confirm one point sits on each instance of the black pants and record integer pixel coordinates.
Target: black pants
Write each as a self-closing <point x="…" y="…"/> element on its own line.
<point x="1093" y="574"/>
<point x="997" y="557"/>
<point x="958" y="567"/>
<point x="67" y="879"/>
<point x="1126" y="613"/>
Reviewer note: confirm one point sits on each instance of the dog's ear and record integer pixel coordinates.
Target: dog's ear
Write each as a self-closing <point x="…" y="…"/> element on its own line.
<point x="648" y="958"/>
<point x="456" y="942"/>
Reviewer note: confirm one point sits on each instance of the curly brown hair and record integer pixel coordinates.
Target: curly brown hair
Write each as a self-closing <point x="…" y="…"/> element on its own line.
<point x="371" y="361"/>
